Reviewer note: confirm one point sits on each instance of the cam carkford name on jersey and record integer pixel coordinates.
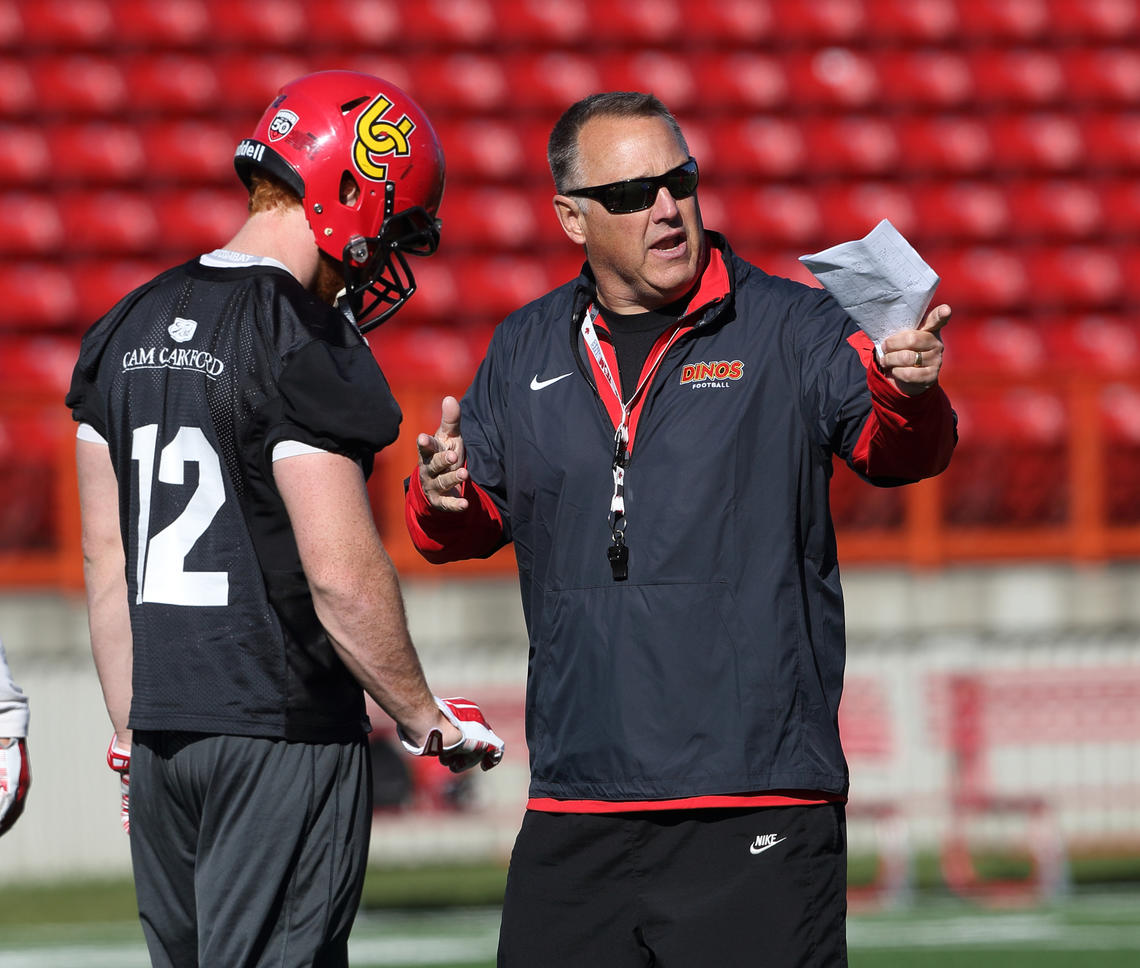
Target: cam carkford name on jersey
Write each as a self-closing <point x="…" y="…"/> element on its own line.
<point x="175" y="357"/>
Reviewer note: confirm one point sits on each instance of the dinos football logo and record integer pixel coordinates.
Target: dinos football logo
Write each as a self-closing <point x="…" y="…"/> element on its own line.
<point x="376" y="137"/>
<point x="712" y="374"/>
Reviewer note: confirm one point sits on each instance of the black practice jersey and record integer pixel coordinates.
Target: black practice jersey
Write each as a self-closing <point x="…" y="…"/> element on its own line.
<point x="192" y="379"/>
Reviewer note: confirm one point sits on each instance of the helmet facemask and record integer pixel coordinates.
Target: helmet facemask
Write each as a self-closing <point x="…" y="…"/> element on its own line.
<point x="377" y="277"/>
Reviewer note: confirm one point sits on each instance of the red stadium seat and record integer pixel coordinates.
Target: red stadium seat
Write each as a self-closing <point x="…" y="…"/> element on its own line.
<point x="437" y="297"/>
<point x="200" y="220"/>
<point x="981" y="278"/>
<point x="772" y="215"/>
<point x="31" y="441"/>
<point x="1104" y="76"/>
<point x="462" y="83"/>
<point x="780" y="262"/>
<point x="167" y="25"/>
<point x="729" y="23"/>
<point x="1062" y="209"/>
<point x="1094" y="343"/>
<point x="925" y="22"/>
<point x="832" y="77"/>
<point x="37" y="362"/>
<point x="25" y="155"/>
<point x="491" y="150"/>
<point x="66" y="24"/>
<point x="104" y="283"/>
<point x="1120" y="415"/>
<point x="1096" y="20"/>
<point x="539" y="23"/>
<point x="1006" y="21"/>
<point x="356" y="26"/>
<point x="194" y="151"/>
<point x="744" y="80"/>
<point x="80" y="85"/>
<point x="491" y="286"/>
<point x="1011" y="344"/>
<point x="1120" y="206"/>
<point x="764" y="146"/>
<point x="460" y="23"/>
<point x="443" y="354"/>
<point x="1076" y="277"/>
<point x="1005" y="468"/>
<point x="32" y="226"/>
<point x="852" y="209"/>
<point x="930" y="79"/>
<point x="1029" y="77"/>
<point x="11" y="27"/>
<point x="18" y="97"/>
<point x="259" y="24"/>
<point x="249" y="81"/>
<point x="945" y="144"/>
<point x="972" y="211"/>
<point x="863" y="145"/>
<point x="821" y="22"/>
<point x="652" y="22"/>
<point x="36" y="295"/>
<point x="113" y="153"/>
<point x="109" y="221"/>
<point x="1120" y="406"/>
<point x="1037" y="142"/>
<point x="174" y="84"/>
<point x="498" y="217"/>
<point x="550" y="81"/>
<point x="1111" y="141"/>
<point x="666" y="74"/>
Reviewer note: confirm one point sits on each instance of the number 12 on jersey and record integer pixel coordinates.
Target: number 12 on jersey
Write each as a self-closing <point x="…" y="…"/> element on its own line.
<point x="161" y="575"/>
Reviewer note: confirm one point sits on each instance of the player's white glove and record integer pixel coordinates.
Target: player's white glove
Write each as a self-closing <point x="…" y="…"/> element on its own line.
<point x="479" y="744"/>
<point x="15" y="778"/>
<point x="119" y="760"/>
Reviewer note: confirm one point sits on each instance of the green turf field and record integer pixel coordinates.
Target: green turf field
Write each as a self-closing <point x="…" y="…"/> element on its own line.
<point x="92" y="926"/>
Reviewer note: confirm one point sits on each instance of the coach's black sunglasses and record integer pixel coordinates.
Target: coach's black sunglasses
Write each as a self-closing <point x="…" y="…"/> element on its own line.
<point x="638" y="194"/>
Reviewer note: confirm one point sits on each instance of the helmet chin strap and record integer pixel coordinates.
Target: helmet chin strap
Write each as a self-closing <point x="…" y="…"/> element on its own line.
<point x="345" y="307"/>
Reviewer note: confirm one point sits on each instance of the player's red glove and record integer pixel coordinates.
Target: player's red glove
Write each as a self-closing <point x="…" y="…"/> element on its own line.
<point x="15" y="778"/>
<point x="119" y="760"/>
<point x="479" y="744"/>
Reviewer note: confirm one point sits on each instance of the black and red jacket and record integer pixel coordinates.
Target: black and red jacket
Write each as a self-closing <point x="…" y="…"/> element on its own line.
<point x="715" y="669"/>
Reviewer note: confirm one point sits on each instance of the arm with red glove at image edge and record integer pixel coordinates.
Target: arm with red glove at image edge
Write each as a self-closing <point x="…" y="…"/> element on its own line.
<point x="15" y="768"/>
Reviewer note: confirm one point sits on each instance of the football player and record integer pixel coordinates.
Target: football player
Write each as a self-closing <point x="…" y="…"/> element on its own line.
<point x="239" y="594"/>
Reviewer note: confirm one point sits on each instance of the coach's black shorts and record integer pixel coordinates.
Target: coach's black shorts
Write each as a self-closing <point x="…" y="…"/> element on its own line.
<point x="246" y="851"/>
<point x="762" y="888"/>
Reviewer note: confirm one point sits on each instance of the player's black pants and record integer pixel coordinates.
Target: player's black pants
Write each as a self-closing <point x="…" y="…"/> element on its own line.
<point x="248" y="852"/>
<point x="762" y="888"/>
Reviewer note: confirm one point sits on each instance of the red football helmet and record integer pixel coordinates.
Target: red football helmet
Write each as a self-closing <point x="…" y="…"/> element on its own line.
<point x="369" y="169"/>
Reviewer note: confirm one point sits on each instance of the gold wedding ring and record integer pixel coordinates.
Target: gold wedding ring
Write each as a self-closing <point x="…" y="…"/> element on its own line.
<point x="917" y="359"/>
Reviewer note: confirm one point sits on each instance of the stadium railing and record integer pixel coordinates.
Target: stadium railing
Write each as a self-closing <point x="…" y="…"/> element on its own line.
<point x="1047" y="468"/>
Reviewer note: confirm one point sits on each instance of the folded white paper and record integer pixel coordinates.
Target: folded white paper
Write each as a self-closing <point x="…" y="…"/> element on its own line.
<point x="880" y="281"/>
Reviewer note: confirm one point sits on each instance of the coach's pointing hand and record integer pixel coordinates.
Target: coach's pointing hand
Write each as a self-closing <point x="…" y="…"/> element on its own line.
<point x="912" y="358"/>
<point x="441" y="461"/>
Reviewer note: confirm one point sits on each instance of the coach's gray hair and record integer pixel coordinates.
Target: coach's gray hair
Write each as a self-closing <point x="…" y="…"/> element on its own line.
<point x="562" y="148"/>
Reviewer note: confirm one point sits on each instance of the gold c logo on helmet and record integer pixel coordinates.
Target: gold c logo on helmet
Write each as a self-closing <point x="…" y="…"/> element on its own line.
<point x="375" y="136"/>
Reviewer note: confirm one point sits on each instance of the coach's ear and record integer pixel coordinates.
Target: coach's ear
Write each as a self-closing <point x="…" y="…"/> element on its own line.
<point x="571" y="218"/>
